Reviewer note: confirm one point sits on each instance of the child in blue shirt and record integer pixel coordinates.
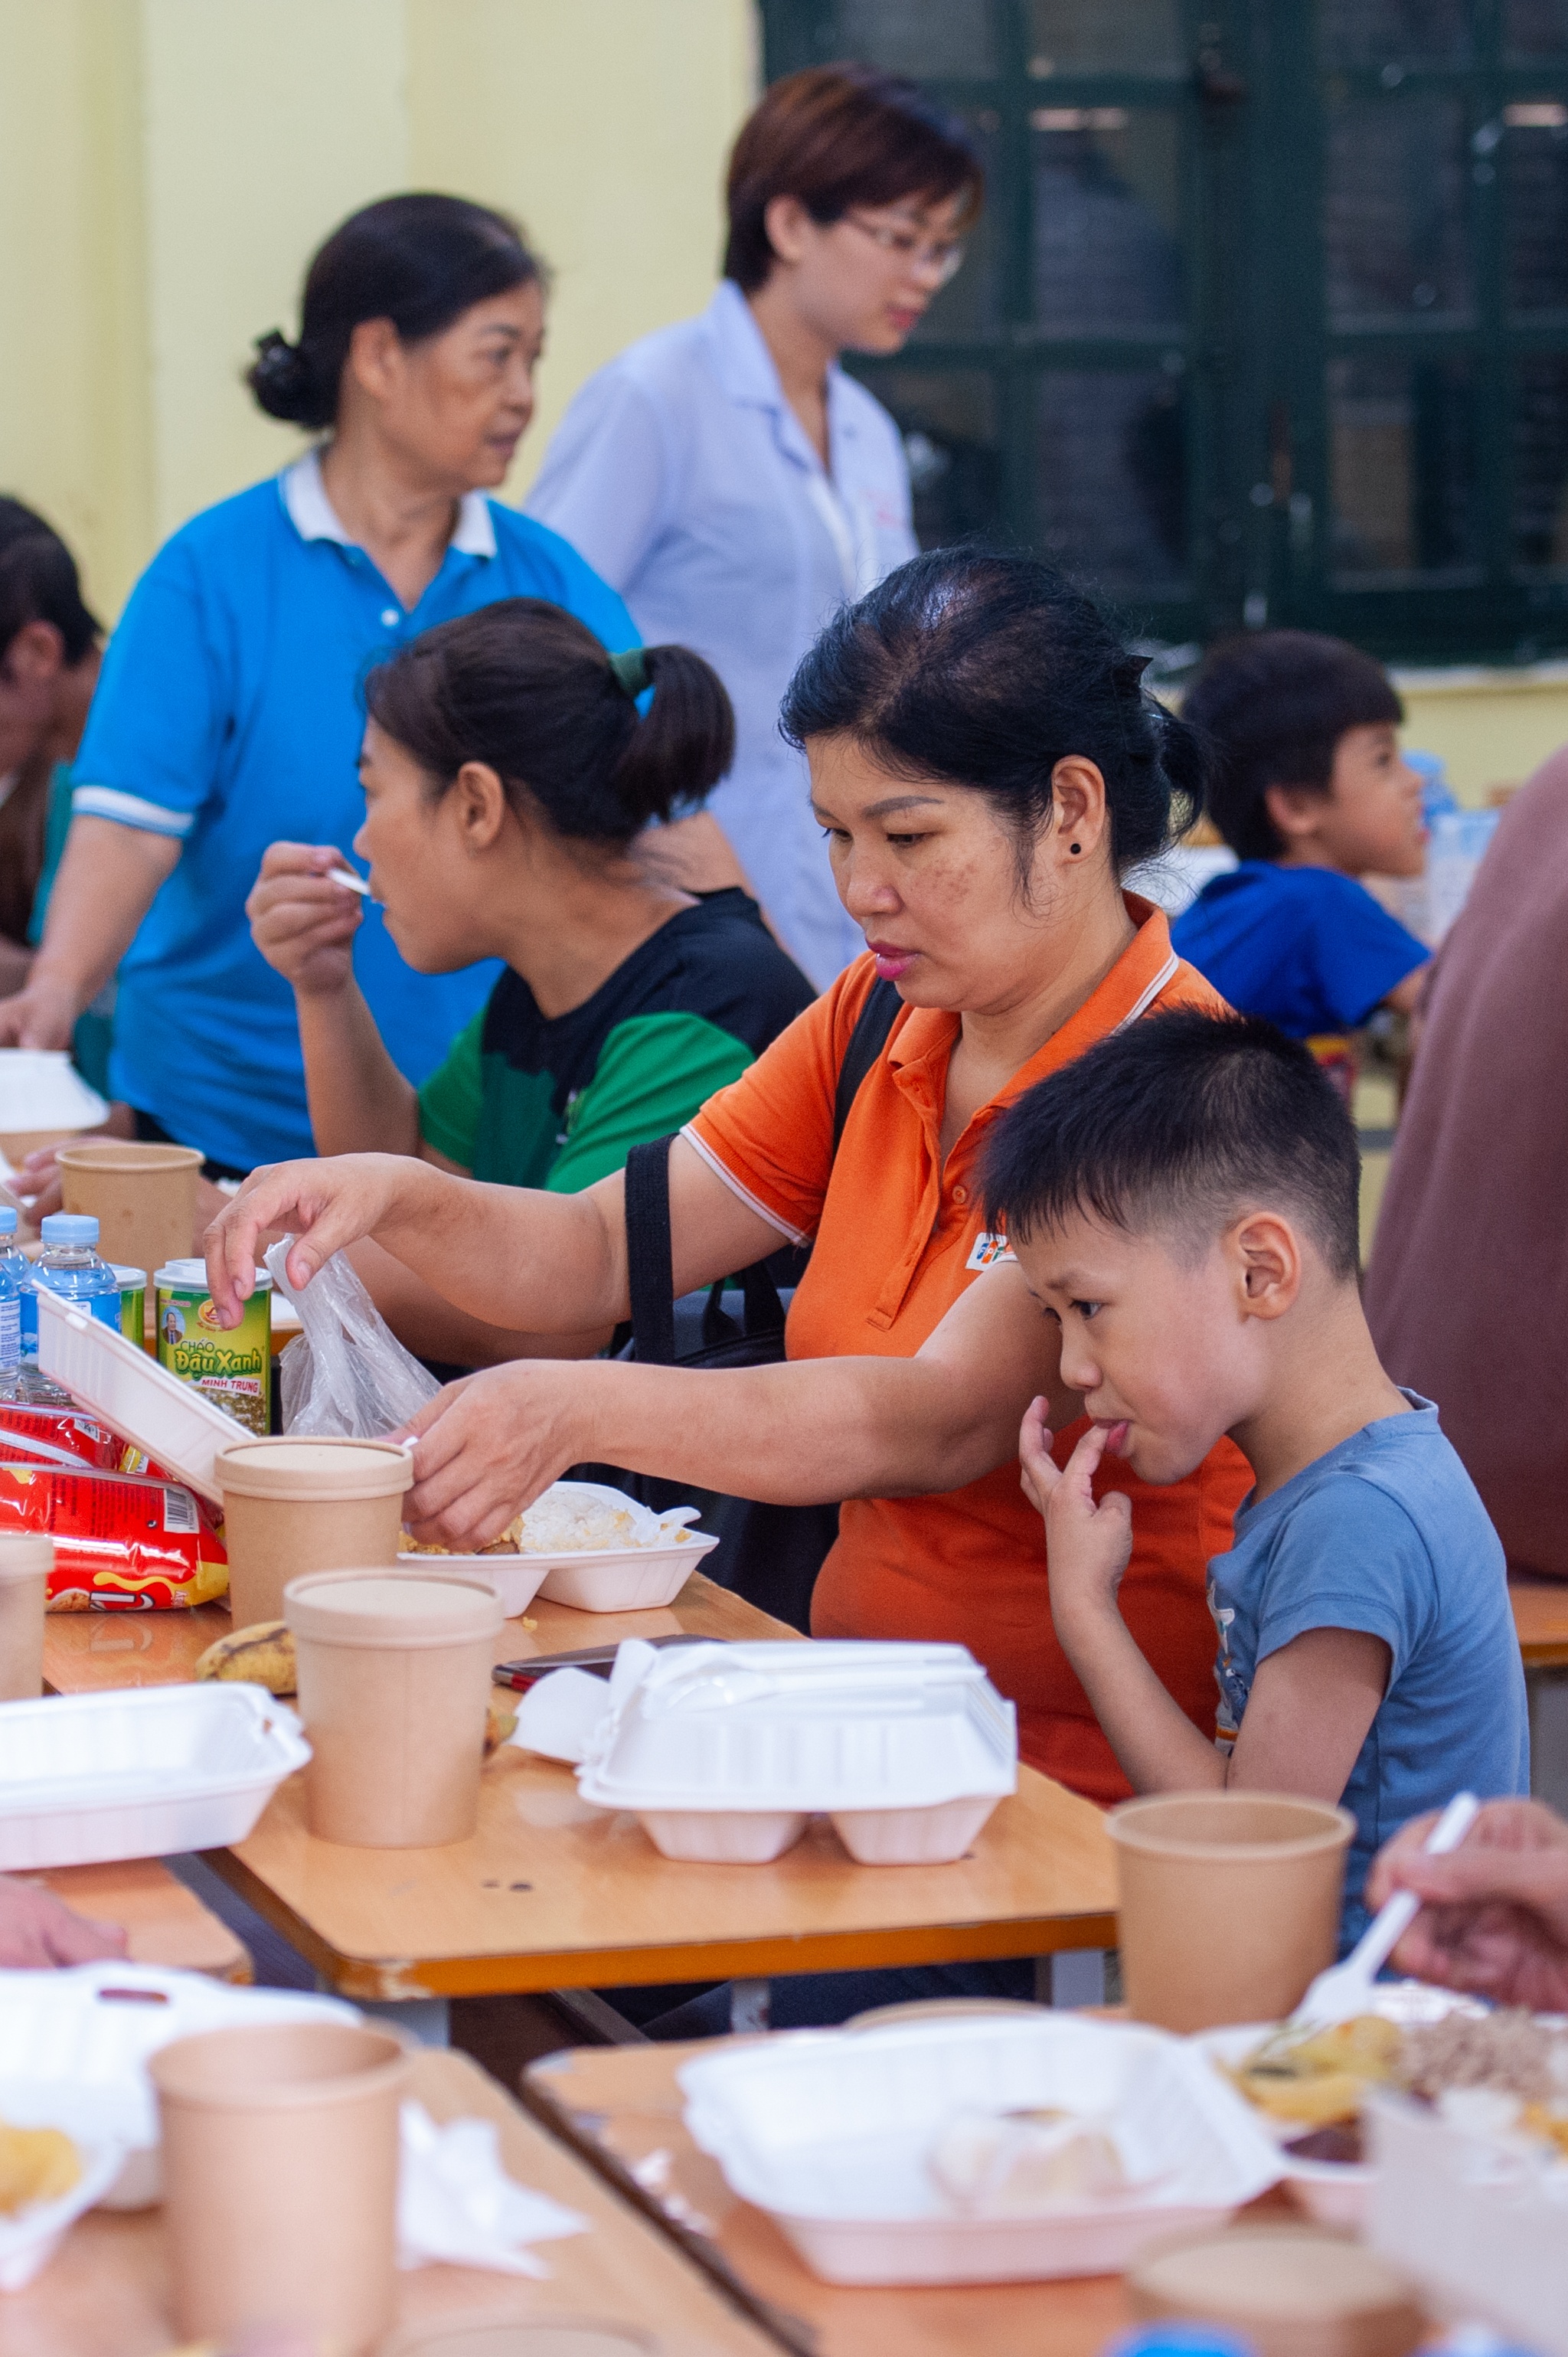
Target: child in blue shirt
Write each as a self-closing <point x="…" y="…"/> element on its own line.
<point x="1311" y="793"/>
<point x="1182" y="1200"/>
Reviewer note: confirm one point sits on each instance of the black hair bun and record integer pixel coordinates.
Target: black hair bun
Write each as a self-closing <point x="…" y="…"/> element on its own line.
<point x="279" y="377"/>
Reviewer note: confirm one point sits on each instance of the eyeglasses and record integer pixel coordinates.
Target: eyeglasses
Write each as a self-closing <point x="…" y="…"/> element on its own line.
<point x="942" y="256"/>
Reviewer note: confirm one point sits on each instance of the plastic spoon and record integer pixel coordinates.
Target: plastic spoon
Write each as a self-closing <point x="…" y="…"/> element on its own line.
<point x="349" y="880"/>
<point x="1345" y="1990"/>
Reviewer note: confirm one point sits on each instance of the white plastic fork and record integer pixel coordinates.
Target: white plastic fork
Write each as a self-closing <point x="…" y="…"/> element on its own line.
<point x="1345" y="1990"/>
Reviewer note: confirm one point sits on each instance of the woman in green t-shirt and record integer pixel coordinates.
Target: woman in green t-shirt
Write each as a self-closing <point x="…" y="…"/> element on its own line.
<point x="510" y="773"/>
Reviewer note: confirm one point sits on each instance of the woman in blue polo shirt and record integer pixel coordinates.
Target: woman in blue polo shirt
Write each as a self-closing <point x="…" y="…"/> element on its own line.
<point x="228" y="711"/>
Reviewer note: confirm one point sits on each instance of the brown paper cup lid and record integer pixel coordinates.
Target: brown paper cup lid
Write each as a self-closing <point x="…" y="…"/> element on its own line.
<point x="24" y="1553"/>
<point x="278" y="2066"/>
<point x="120" y="1154"/>
<point x="382" y="1606"/>
<point x="1290" y="2287"/>
<point x="1228" y="1827"/>
<point x="295" y="1470"/>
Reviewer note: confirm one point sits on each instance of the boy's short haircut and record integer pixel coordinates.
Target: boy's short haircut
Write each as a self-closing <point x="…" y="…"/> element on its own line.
<point x="1273" y="705"/>
<point x="1182" y="1122"/>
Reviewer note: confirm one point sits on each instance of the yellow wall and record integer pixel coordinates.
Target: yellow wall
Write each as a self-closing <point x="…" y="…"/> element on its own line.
<point x="1491" y="727"/>
<point x="166" y="168"/>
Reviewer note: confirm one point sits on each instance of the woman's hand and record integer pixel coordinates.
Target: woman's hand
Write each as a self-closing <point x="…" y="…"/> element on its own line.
<point x="303" y="923"/>
<point x="1087" y="1547"/>
<point x="38" y="1929"/>
<point x="328" y="1205"/>
<point x="43" y="1014"/>
<point x="488" y="1447"/>
<point x="1494" y="1916"/>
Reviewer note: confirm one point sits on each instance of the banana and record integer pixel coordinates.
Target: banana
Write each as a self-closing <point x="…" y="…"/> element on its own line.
<point x="501" y="1717"/>
<point x="261" y="1655"/>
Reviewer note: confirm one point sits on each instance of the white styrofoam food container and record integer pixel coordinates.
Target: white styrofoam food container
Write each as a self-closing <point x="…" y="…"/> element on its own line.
<point x="29" y="2237"/>
<point x="831" y="2134"/>
<point x="723" y="1751"/>
<point x="172" y="1421"/>
<point x="637" y="1579"/>
<point x="74" y="2045"/>
<point x="1333" y="2192"/>
<point x="515" y="1578"/>
<point x="41" y="1088"/>
<point x="144" y="1771"/>
<point x="1483" y="2228"/>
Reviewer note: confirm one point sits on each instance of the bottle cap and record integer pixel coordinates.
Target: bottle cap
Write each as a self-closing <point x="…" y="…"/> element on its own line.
<point x="7" y="1221"/>
<point x="1175" y="2339"/>
<point x="68" y="1228"/>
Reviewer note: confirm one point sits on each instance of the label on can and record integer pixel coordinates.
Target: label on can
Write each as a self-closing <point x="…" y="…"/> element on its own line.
<point x="233" y="1367"/>
<point x="133" y="1313"/>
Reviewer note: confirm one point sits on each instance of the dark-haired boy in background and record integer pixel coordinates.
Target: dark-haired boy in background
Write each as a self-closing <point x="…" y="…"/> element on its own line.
<point x="1182" y="1202"/>
<point x="1311" y="793"/>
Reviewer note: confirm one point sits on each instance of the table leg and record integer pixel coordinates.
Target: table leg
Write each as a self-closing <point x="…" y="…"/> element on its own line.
<point x="1075" y="1977"/>
<point x="750" y="2007"/>
<point x="1548" y="1693"/>
<point x="424" y="2019"/>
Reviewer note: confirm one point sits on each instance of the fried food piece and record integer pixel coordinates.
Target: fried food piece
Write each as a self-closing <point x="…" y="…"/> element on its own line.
<point x="261" y="1655"/>
<point x="35" y="2165"/>
<point x="1320" y="2080"/>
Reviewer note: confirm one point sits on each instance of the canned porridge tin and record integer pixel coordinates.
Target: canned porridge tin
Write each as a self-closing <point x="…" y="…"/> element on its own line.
<point x="233" y="1367"/>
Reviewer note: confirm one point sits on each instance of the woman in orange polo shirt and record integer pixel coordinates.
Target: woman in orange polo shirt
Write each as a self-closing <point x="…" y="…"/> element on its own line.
<point x="986" y="767"/>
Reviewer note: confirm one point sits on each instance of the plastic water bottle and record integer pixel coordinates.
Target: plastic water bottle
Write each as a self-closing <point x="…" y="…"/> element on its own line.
<point x="11" y="1258"/>
<point x="69" y="1265"/>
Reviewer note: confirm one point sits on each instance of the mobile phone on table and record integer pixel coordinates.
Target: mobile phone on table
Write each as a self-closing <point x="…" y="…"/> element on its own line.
<point x="597" y="1660"/>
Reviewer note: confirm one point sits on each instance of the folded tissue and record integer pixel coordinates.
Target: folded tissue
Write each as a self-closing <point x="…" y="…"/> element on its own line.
<point x="457" y="2203"/>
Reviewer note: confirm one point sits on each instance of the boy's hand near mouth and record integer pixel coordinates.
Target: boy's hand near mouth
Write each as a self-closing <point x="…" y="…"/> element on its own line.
<point x="1182" y="1200"/>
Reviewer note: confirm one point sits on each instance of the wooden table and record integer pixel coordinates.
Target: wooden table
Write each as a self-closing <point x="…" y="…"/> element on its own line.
<point x="622" y="2108"/>
<point x="551" y="1894"/>
<point x="164" y="1922"/>
<point x="1540" y="1617"/>
<point x="105" y="2294"/>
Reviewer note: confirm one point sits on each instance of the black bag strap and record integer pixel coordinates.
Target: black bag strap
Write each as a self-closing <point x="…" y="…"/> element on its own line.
<point x="650" y="1274"/>
<point x="871" y="1027"/>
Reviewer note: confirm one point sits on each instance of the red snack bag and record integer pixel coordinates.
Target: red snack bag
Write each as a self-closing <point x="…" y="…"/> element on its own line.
<point x="59" y="1436"/>
<point x="121" y="1544"/>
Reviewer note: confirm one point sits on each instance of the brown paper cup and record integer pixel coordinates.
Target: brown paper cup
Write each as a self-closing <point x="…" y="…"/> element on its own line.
<point x="280" y="2148"/>
<point x="27" y="1560"/>
<point x="1228" y="1903"/>
<point x="142" y="1198"/>
<point x="297" y="1506"/>
<point x="395" y="1676"/>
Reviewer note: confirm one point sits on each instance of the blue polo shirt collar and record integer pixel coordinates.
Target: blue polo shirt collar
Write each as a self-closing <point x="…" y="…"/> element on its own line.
<point x="313" y="517"/>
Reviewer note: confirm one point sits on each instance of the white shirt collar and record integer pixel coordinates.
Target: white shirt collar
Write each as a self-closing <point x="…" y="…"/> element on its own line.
<point x="312" y="515"/>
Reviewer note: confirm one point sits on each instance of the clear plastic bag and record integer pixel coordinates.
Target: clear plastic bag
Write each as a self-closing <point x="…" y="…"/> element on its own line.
<point x="346" y="1376"/>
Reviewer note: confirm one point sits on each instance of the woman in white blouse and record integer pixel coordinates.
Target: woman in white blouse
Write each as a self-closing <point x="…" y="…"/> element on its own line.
<point x="734" y="484"/>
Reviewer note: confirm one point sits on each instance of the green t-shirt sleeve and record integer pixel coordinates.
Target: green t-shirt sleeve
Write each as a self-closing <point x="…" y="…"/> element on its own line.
<point x="450" y="1099"/>
<point x="654" y="1073"/>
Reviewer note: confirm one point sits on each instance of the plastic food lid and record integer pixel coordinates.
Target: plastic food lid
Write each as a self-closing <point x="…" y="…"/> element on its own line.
<point x="192" y="1276"/>
<point x="24" y="1553"/>
<point x="382" y="1607"/>
<point x="130" y="1277"/>
<point x="313" y="1468"/>
<point x="68" y="1228"/>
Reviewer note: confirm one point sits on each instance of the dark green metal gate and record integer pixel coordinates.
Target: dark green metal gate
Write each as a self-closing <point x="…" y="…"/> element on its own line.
<point x="1268" y="318"/>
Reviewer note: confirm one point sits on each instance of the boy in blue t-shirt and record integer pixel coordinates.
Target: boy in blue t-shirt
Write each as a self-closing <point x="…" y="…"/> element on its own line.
<point x="1182" y="1200"/>
<point x="1311" y="793"/>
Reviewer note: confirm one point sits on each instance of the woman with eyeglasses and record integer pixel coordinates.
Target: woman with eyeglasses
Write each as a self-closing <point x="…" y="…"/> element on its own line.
<point x="735" y="487"/>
